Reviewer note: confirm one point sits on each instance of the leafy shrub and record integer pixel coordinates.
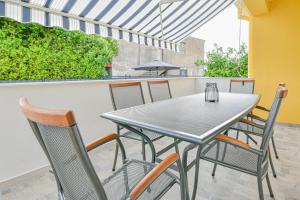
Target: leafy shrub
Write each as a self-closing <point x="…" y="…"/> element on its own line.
<point x="220" y="63"/>
<point x="33" y="52"/>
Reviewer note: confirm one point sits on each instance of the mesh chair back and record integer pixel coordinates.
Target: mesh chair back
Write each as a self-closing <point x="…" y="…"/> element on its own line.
<point x="159" y="90"/>
<point x="125" y="95"/>
<point x="57" y="133"/>
<point x="242" y="86"/>
<point x="268" y="130"/>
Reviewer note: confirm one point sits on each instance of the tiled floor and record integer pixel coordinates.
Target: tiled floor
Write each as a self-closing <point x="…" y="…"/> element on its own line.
<point x="227" y="184"/>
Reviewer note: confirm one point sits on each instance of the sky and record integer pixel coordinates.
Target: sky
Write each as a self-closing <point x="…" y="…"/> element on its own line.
<point x="223" y="30"/>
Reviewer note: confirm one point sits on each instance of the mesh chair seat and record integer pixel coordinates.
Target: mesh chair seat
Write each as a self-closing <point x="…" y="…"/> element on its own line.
<point x="120" y="184"/>
<point x="132" y="135"/>
<point x="239" y="126"/>
<point x="233" y="156"/>
<point x="159" y="90"/>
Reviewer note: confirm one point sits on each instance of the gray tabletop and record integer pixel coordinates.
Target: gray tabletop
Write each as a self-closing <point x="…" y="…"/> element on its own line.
<point x="188" y="118"/>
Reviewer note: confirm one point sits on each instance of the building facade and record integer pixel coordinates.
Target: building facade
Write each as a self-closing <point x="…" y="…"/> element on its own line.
<point x="132" y="54"/>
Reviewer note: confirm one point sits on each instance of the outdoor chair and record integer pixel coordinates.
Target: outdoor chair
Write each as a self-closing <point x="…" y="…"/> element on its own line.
<point x="159" y="90"/>
<point x="261" y="121"/>
<point x="238" y="155"/>
<point x="58" y="134"/>
<point x="244" y="86"/>
<point x="125" y="95"/>
<point x="255" y="126"/>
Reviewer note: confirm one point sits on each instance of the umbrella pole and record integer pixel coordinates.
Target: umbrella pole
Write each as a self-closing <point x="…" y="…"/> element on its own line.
<point x="162" y="30"/>
<point x="139" y="50"/>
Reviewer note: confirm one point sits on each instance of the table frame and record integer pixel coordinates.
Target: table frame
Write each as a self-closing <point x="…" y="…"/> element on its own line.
<point x="194" y="142"/>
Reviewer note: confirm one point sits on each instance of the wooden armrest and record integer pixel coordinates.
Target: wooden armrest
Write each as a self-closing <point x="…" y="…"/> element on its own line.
<point x="262" y="108"/>
<point x="256" y="117"/>
<point x="237" y="142"/>
<point x="152" y="175"/>
<point x="246" y="121"/>
<point x="101" y="141"/>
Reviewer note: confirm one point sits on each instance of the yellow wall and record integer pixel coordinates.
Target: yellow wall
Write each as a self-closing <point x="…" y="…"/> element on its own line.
<point x="274" y="55"/>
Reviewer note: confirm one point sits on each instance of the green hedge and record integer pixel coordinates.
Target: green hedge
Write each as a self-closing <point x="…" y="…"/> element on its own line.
<point x="33" y="52"/>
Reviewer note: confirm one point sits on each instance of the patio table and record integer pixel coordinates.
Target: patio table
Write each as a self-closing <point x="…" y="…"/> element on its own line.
<point x="187" y="118"/>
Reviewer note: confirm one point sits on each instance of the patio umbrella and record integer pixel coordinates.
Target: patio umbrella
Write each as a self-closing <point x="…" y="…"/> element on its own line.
<point x="156" y="65"/>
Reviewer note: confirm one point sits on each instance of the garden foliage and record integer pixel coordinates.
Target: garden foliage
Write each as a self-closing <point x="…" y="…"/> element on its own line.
<point x="225" y="63"/>
<point x="32" y="52"/>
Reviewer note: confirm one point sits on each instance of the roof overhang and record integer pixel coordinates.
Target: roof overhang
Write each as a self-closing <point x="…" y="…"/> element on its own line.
<point x="248" y="8"/>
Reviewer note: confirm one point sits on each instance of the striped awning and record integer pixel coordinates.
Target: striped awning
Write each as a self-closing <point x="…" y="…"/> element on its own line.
<point x="132" y="20"/>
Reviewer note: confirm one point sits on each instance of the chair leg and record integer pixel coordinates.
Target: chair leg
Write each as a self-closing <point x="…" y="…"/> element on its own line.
<point x="260" y="187"/>
<point x="247" y="137"/>
<point x="269" y="186"/>
<point x="176" y="147"/>
<point x="144" y="150"/>
<point x="217" y="158"/>
<point x="116" y="157"/>
<point x="237" y="134"/>
<point x="197" y="166"/>
<point x="274" y="147"/>
<point x="144" y="158"/>
<point x="214" y="169"/>
<point x="272" y="165"/>
<point x="247" y="140"/>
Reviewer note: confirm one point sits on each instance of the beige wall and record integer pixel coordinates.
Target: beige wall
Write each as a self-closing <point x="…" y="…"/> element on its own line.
<point x="194" y="49"/>
<point x="129" y="57"/>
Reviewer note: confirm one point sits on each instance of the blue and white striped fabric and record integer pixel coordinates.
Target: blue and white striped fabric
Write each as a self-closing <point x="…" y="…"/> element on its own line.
<point x="131" y="20"/>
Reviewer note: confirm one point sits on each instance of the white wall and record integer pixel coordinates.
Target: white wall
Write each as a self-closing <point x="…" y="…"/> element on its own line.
<point x="20" y="152"/>
<point x="222" y="83"/>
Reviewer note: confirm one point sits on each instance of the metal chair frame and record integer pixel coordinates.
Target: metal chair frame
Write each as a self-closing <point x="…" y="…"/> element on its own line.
<point x="259" y="126"/>
<point x="158" y="82"/>
<point x="176" y="141"/>
<point x="248" y="133"/>
<point x="144" y="138"/>
<point x="65" y="119"/>
<point x="262" y="153"/>
<point x="263" y="121"/>
<point x="242" y="81"/>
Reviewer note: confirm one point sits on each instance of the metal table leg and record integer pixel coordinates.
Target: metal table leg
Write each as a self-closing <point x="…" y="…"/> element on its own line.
<point x="196" y="172"/>
<point x="147" y="139"/>
<point x="186" y="166"/>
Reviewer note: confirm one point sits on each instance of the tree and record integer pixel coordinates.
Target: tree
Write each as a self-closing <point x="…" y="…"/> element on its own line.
<point x="225" y="63"/>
